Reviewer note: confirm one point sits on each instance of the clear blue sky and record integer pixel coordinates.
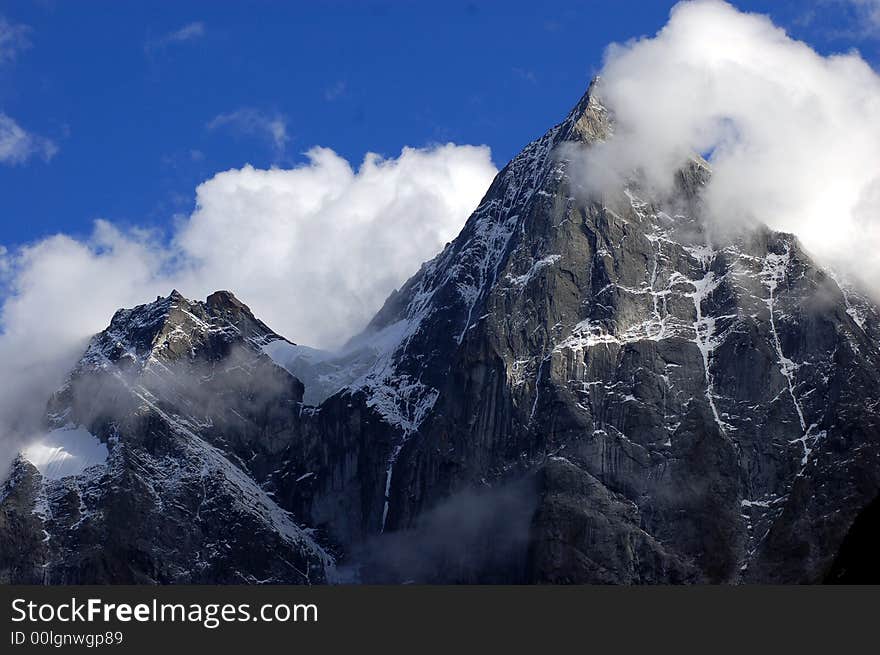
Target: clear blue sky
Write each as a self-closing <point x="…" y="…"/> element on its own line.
<point x="127" y="90"/>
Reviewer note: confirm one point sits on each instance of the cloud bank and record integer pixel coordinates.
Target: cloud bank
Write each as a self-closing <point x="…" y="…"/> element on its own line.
<point x="317" y="249"/>
<point x="792" y="135"/>
<point x="313" y="250"/>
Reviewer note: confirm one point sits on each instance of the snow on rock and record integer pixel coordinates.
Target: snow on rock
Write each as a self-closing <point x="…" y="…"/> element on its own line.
<point x="773" y="273"/>
<point x="522" y="280"/>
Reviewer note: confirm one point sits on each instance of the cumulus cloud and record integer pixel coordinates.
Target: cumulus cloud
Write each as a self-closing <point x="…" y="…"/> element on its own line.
<point x="17" y="145"/>
<point x="318" y="248"/>
<point x="13" y="39"/>
<point x="314" y="251"/>
<point x="252" y="122"/>
<point x="792" y="135"/>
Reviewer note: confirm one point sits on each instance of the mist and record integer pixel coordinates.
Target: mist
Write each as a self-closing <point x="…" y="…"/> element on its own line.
<point x="792" y="136"/>
<point x="475" y="534"/>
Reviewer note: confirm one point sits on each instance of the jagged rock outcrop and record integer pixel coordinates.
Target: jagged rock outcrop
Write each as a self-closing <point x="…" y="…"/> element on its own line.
<point x="638" y="398"/>
<point x="193" y="414"/>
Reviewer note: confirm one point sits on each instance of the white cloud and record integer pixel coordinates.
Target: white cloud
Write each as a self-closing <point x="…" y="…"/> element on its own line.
<point x="313" y="250"/>
<point x="252" y="122"/>
<point x="318" y="248"/>
<point x="186" y="33"/>
<point x="794" y="135"/>
<point x="189" y="32"/>
<point x="17" y="145"/>
<point x="13" y="39"/>
<point x="57" y="290"/>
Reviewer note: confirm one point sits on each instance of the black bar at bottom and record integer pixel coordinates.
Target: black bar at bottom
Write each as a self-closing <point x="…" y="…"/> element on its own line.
<point x="415" y="619"/>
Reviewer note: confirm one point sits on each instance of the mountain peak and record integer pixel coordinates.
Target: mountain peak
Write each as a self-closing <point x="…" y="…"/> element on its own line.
<point x="589" y="120"/>
<point x="226" y="300"/>
<point x="175" y="327"/>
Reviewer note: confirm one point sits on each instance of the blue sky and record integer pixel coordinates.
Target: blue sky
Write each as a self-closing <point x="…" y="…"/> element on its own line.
<point x="146" y="100"/>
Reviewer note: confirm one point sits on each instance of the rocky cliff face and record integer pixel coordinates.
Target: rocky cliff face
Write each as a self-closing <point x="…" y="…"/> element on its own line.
<point x="193" y="415"/>
<point x="577" y="389"/>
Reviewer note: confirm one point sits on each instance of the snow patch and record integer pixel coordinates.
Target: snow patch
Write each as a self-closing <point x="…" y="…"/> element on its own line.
<point x="772" y="274"/>
<point x="522" y="280"/>
<point x="66" y="451"/>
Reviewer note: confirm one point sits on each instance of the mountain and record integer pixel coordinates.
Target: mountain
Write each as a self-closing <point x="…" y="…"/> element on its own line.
<point x="576" y="390"/>
<point x="193" y="415"/>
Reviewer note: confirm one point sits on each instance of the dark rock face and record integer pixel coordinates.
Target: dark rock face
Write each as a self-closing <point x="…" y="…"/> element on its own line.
<point x="576" y="390"/>
<point x="589" y="534"/>
<point x="856" y="562"/>
<point x="22" y="545"/>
